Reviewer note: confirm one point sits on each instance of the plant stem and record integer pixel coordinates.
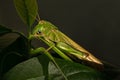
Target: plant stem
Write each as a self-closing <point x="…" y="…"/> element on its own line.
<point x="29" y="39"/>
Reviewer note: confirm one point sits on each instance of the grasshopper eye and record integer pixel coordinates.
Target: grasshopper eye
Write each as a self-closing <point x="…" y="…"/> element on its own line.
<point x="38" y="32"/>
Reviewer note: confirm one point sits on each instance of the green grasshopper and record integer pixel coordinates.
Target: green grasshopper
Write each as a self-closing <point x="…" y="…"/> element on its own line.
<point x="61" y="44"/>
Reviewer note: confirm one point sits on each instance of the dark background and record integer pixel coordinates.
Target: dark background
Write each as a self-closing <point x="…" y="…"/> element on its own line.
<point x="94" y="24"/>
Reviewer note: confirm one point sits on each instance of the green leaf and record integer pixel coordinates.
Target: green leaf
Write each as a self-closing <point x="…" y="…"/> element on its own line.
<point x="4" y="30"/>
<point x="13" y="54"/>
<point x="27" y="10"/>
<point x="20" y="45"/>
<point x="74" y="71"/>
<point x="8" y="61"/>
<point x="44" y="60"/>
<point x="27" y="70"/>
<point x="7" y="39"/>
<point x="37" y="78"/>
<point x="32" y="69"/>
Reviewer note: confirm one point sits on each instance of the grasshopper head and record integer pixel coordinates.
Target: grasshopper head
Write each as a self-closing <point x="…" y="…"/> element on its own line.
<point x="43" y="27"/>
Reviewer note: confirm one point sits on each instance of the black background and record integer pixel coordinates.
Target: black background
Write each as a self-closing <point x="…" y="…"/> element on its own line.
<point x="94" y="24"/>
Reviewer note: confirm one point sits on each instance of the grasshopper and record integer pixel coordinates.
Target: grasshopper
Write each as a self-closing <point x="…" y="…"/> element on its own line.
<point x="62" y="44"/>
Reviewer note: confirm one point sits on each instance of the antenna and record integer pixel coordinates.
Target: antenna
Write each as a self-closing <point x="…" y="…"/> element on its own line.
<point x="36" y="18"/>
